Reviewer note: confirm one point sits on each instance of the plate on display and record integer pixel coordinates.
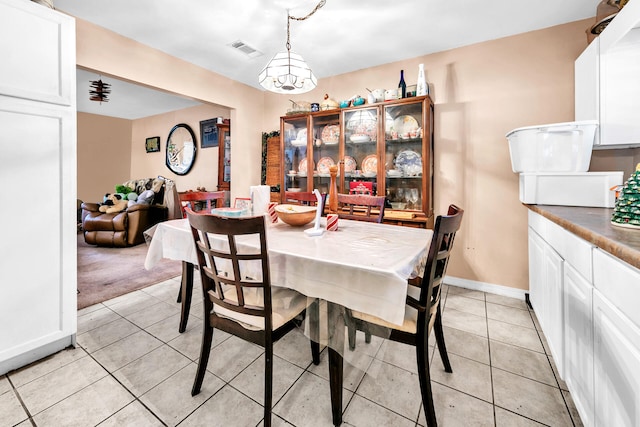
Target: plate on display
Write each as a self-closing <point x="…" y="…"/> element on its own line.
<point x="324" y="164"/>
<point x="331" y="134"/>
<point x="409" y="162"/>
<point x="370" y="164"/>
<point x="302" y="167"/>
<point x="350" y="164"/>
<point x="404" y="125"/>
<point x="356" y="138"/>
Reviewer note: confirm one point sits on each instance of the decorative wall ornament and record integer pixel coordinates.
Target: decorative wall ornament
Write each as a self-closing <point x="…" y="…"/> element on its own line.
<point x="99" y="91"/>
<point x="152" y="145"/>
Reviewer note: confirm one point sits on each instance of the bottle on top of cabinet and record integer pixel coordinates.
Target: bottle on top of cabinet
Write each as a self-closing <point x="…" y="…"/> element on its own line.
<point x="422" y="88"/>
<point x="402" y="86"/>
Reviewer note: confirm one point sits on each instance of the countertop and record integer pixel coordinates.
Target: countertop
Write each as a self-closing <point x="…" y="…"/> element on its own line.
<point x="594" y="226"/>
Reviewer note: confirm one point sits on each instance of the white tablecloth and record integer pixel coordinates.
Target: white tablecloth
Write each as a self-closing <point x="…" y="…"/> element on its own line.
<point x="362" y="266"/>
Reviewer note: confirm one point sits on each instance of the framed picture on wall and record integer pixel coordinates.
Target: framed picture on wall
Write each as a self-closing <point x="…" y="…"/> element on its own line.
<point x="208" y="133"/>
<point x="152" y="144"/>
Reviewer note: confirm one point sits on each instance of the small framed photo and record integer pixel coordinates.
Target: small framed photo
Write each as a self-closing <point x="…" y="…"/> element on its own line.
<point x="208" y="133"/>
<point x="152" y="144"/>
<point x="243" y="203"/>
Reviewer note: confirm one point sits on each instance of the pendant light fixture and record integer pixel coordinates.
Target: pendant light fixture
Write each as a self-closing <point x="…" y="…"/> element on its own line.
<point x="287" y="72"/>
<point x="99" y="91"/>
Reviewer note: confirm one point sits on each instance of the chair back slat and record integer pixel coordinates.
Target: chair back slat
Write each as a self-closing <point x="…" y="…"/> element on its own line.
<point x="304" y="198"/>
<point x="361" y="207"/>
<point x="444" y="232"/>
<point x="221" y="264"/>
<point x="188" y="198"/>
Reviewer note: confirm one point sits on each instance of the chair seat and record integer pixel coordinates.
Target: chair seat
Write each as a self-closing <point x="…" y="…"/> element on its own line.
<point x="410" y="323"/>
<point x="286" y="305"/>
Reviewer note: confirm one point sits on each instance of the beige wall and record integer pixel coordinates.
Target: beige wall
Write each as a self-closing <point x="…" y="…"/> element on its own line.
<point x="104" y="155"/>
<point x="111" y="54"/>
<point x="205" y="169"/>
<point x="112" y="151"/>
<point x="480" y="93"/>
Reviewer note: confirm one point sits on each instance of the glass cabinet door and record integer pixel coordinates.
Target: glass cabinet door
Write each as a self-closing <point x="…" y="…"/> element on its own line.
<point x="225" y="144"/>
<point x="294" y="154"/>
<point x="405" y="146"/>
<point x="224" y="156"/>
<point x="361" y="165"/>
<point x="326" y="147"/>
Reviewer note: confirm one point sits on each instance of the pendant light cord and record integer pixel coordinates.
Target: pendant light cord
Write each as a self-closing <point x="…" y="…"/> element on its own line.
<point x="289" y="18"/>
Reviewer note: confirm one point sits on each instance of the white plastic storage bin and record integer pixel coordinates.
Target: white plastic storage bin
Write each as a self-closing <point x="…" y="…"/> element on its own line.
<point x="559" y="147"/>
<point x="591" y="189"/>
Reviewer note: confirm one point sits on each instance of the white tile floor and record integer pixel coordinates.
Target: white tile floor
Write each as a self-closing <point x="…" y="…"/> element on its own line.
<point x="133" y="368"/>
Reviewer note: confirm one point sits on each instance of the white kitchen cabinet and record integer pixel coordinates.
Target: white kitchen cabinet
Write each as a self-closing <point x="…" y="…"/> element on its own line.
<point x="587" y="85"/>
<point x="536" y="273"/>
<point x="619" y="282"/>
<point x="578" y="345"/>
<point x="38" y="265"/>
<point x="546" y="271"/>
<point x="606" y="85"/>
<point x="616" y="341"/>
<point x="601" y="321"/>
<point x="616" y="366"/>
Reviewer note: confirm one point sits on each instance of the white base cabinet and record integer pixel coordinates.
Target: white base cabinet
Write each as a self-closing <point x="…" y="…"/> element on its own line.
<point x="545" y="277"/>
<point x="617" y="366"/>
<point x="598" y="319"/>
<point x="578" y="344"/>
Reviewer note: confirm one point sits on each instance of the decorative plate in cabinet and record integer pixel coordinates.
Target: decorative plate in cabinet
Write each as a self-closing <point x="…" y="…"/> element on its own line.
<point x="331" y="134"/>
<point x="370" y="165"/>
<point x="324" y="164"/>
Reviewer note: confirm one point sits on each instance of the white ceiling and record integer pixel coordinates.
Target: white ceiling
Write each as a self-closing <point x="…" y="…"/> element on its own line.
<point x="126" y="100"/>
<point x="343" y="36"/>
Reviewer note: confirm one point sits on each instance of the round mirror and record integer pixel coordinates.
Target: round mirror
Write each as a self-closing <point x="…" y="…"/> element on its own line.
<point x="181" y="149"/>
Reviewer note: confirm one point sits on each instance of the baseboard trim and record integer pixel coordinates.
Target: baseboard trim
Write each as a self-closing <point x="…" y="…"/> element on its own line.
<point x="486" y="287"/>
<point x="36" y="354"/>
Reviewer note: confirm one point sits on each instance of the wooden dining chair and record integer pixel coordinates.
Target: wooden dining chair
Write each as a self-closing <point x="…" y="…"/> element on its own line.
<point x="361" y="207"/>
<point x="188" y="199"/>
<point x="237" y="292"/>
<point x="422" y="313"/>
<point x="304" y="198"/>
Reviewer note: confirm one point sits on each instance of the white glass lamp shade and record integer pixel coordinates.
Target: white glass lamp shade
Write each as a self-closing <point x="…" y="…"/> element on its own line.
<point x="287" y="73"/>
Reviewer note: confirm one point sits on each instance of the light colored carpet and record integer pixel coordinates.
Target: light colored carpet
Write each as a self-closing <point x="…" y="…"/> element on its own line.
<point x="105" y="273"/>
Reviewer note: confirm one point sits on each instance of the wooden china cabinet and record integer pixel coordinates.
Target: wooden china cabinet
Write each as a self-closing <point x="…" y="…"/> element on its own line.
<point x="384" y="148"/>
<point x="224" y="157"/>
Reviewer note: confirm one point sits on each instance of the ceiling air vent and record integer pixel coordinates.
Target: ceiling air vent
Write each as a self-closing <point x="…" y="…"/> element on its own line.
<point x="245" y="48"/>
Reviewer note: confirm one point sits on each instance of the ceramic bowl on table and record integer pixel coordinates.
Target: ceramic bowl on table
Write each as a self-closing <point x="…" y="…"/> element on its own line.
<point x="296" y="215"/>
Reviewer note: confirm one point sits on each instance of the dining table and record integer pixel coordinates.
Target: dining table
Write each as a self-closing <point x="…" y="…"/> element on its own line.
<point x="362" y="266"/>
